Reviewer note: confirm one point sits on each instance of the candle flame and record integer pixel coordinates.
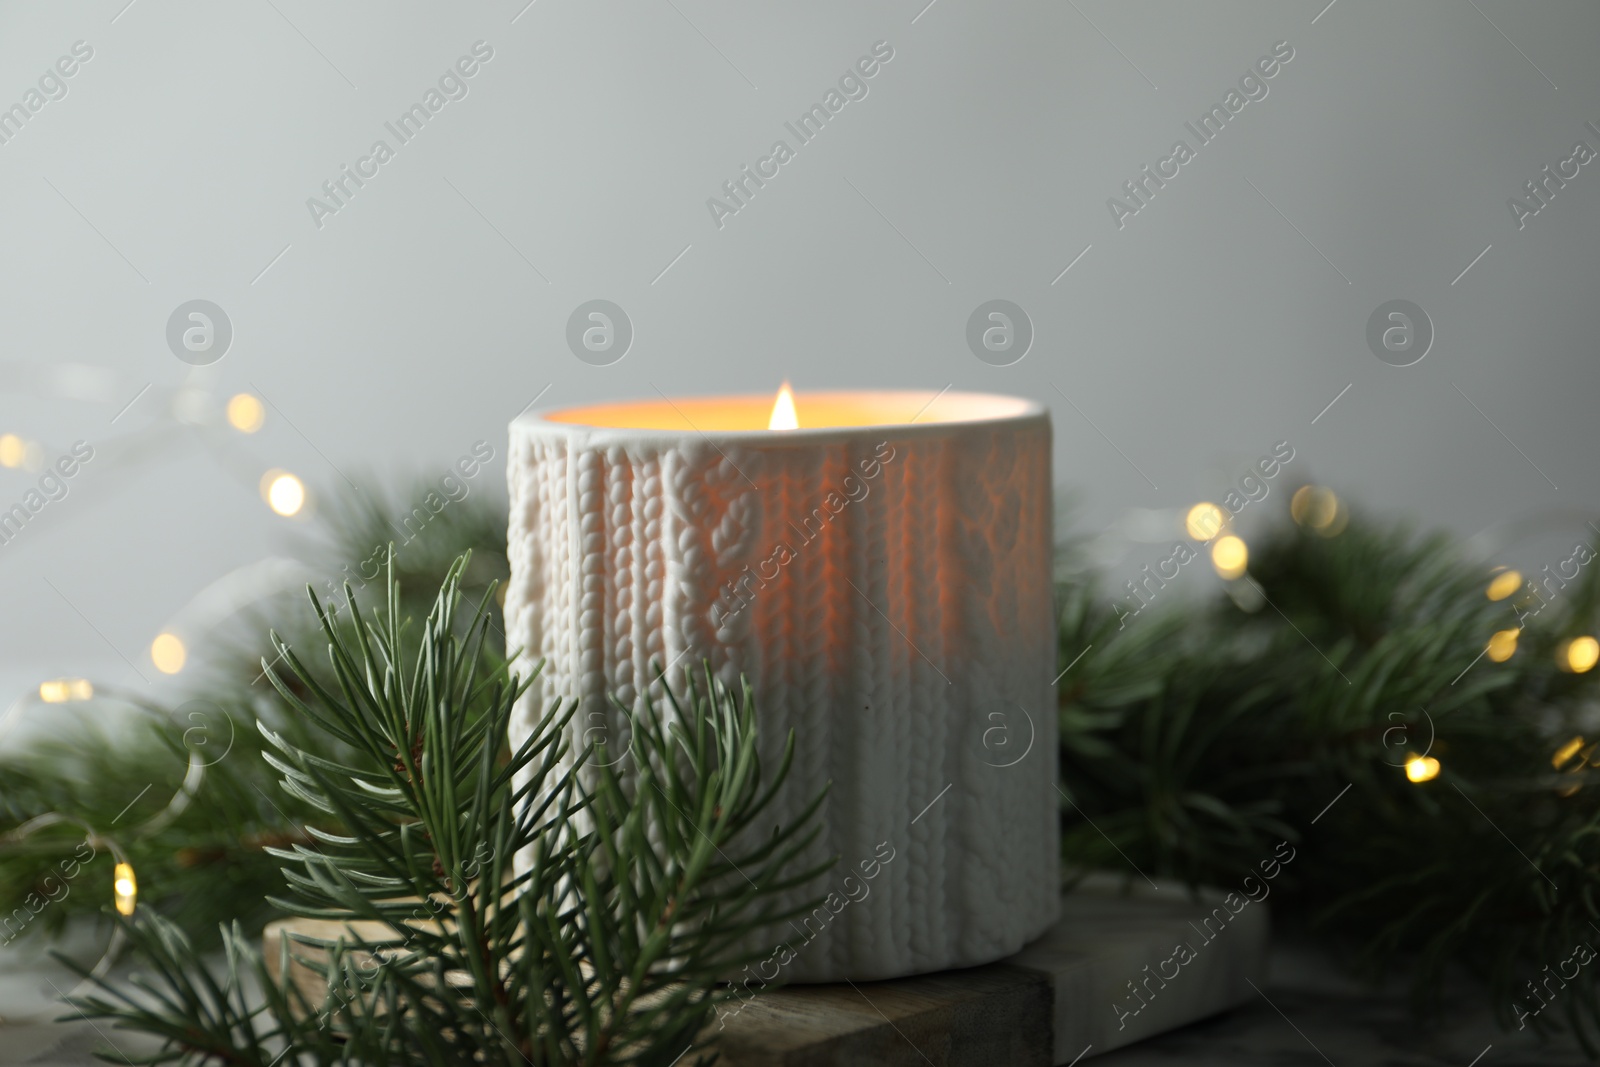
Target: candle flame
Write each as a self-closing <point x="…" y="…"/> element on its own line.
<point x="784" y="416"/>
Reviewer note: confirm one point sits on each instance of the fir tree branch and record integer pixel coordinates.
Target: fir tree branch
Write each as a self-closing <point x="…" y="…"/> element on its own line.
<point x="608" y="945"/>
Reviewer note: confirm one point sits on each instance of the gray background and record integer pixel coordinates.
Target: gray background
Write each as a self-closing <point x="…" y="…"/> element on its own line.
<point x="1223" y="318"/>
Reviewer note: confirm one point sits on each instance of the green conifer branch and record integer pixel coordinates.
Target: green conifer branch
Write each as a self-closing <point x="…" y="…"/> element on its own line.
<point x="606" y="943"/>
<point x="1198" y="736"/>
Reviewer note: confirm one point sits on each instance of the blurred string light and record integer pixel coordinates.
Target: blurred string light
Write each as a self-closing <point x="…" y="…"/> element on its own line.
<point x="1204" y="521"/>
<point x="124" y="881"/>
<point x="1564" y="755"/>
<point x="1578" y="655"/>
<point x="1318" y="508"/>
<point x="1230" y="556"/>
<point x="283" y="492"/>
<point x="173" y="415"/>
<point x="1422" y="769"/>
<point x="61" y="690"/>
<point x="246" y="413"/>
<point x="1503" y="584"/>
<point x="16" y="452"/>
<point x="168" y="653"/>
<point x="210" y="608"/>
<point x="1503" y="645"/>
<point x="124" y="889"/>
<point x="125" y="884"/>
<point x="18" y="838"/>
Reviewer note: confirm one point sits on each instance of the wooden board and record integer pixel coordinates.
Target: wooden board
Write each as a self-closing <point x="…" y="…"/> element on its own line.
<point x="1081" y="990"/>
<point x="999" y="1014"/>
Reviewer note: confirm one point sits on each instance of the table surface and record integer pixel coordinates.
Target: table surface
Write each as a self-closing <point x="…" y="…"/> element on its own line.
<point x="1310" y="1013"/>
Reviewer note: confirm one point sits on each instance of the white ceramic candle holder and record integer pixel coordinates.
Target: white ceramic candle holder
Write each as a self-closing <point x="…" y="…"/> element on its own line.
<point x="882" y="576"/>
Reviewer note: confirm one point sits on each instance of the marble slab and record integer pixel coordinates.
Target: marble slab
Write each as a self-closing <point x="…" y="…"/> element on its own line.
<point x="1108" y="974"/>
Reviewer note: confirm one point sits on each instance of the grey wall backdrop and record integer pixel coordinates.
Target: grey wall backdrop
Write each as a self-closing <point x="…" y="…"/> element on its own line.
<point x="1175" y="343"/>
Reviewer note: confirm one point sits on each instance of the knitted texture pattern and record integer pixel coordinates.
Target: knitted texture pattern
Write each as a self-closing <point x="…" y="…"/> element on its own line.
<point x="889" y="601"/>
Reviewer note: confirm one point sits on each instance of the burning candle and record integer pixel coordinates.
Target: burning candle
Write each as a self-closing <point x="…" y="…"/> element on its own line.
<point x="878" y="565"/>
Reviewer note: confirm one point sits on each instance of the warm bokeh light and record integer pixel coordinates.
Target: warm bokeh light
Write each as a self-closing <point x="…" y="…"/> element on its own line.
<point x="1566" y="752"/>
<point x="124" y="888"/>
<point x="1204" y="521"/>
<point x="1580" y="654"/>
<point x="283" y="492"/>
<point x="62" y="690"/>
<point x="245" y="413"/>
<point x="1502" y="645"/>
<point x="784" y="416"/>
<point x="1422" y="768"/>
<point x="1230" y="556"/>
<point x="12" y="450"/>
<point x="1503" y="585"/>
<point x="1315" y="506"/>
<point x="168" y="654"/>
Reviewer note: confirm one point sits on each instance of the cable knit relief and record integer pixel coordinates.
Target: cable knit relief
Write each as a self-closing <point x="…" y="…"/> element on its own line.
<point x="887" y="592"/>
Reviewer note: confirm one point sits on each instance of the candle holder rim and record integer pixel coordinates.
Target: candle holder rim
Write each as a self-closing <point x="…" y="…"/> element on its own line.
<point x="1026" y="410"/>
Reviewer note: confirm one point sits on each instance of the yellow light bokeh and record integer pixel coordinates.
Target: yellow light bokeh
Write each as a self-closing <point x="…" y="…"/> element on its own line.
<point x="1204" y="521"/>
<point x="1504" y="584"/>
<point x="61" y="690"/>
<point x="1502" y="645"/>
<point x="1566" y="752"/>
<point x="1230" y="556"/>
<point x="1422" y="768"/>
<point x="168" y="654"/>
<point x="283" y="492"/>
<point x="1315" y="506"/>
<point x="12" y="450"/>
<point x="1581" y="654"/>
<point x="124" y="888"/>
<point x="245" y="413"/>
<point x="784" y="416"/>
